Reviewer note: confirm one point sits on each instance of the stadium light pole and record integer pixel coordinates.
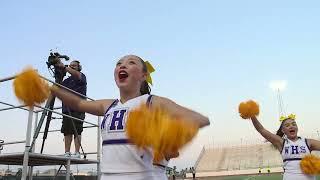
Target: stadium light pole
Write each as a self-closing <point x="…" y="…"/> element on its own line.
<point x="278" y="87"/>
<point x="213" y="143"/>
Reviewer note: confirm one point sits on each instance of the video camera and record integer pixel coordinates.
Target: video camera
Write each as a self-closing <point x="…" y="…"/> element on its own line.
<point x="53" y="59"/>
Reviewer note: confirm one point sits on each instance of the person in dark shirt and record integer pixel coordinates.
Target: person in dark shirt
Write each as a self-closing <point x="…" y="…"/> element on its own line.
<point x="193" y="173"/>
<point x="77" y="82"/>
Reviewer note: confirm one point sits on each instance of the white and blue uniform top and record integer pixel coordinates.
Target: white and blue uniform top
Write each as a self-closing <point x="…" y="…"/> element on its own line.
<point x="292" y="154"/>
<point x="119" y="156"/>
<point x="160" y="170"/>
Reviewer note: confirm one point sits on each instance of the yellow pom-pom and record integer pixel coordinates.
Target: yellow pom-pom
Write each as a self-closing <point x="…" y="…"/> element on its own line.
<point x="253" y="108"/>
<point x="158" y="156"/>
<point x="243" y="110"/>
<point x="163" y="133"/>
<point x="248" y="109"/>
<point x="310" y="164"/>
<point x="136" y="126"/>
<point x="30" y="88"/>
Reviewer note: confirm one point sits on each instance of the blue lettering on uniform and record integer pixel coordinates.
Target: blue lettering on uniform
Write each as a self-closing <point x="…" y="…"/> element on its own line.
<point x="286" y="150"/>
<point x="303" y="149"/>
<point x="117" y="121"/>
<point x="294" y="150"/>
<point x="103" y="123"/>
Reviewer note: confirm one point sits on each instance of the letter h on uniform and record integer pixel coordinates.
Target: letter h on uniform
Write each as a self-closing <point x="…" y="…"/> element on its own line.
<point x="294" y="150"/>
<point x="117" y="120"/>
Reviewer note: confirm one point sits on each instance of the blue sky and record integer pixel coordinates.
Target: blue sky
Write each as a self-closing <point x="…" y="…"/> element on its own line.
<point x="208" y="55"/>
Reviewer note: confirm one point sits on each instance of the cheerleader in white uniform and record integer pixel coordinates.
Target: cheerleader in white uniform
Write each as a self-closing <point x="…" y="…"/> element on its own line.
<point x="160" y="170"/>
<point x="291" y="147"/>
<point x="121" y="159"/>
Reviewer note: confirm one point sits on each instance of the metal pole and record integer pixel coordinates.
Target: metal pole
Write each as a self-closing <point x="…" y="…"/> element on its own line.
<point x="33" y="147"/>
<point x="13" y="142"/>
<point x="35" y="130"/>
<point x="9" y="108"/>
<point x="27" y="147"/>
<point x="77" y="119"/>
<point x="7" y="78"/>
<point x="13" y="77"/>
<point x="68" y="170"/>
<point x="99" y="148"/>
<point x="58" y="130"/>
<point x="68" y="89"/>
<point x="41" y="110"/>
<point x="43" y="115"/>
<point x="14" y="106"/>
<point x="1" y="147"/>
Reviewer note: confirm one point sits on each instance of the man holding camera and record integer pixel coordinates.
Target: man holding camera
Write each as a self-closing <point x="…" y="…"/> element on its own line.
<point x="77" y="82"/>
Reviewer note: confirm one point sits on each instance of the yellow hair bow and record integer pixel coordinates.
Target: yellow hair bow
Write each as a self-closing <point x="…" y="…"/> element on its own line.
<point x="291" y="116"/>
<point x="150" y="70"/>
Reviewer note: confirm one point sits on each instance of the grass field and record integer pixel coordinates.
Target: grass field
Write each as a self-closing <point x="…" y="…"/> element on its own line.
<point x="248" y="177"/>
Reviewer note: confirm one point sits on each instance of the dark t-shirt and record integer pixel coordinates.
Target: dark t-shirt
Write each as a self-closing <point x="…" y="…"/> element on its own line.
<point x="78" y="85"/>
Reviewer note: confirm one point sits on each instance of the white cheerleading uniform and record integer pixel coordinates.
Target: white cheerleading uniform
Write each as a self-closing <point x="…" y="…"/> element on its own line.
<point x="121" y="159"/>
<point x="292" y="153"/>
<point x="160" y="170"/>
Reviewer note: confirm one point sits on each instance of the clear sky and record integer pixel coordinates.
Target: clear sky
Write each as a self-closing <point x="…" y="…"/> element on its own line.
<point x="208" y="55"/>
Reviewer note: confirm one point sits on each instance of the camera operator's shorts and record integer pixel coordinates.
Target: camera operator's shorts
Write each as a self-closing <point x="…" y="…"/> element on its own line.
<point x="67" y="127"/>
